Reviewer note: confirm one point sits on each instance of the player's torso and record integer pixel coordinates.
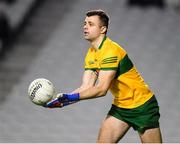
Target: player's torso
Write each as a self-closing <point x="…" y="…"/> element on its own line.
<point x="128" y="87"/>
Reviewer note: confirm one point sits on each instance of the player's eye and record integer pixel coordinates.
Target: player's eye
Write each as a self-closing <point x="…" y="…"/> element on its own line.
<point x="91" y="24"/>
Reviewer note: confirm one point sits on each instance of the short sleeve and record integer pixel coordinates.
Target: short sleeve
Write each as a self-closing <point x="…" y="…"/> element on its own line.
<point x="110" y="59"/>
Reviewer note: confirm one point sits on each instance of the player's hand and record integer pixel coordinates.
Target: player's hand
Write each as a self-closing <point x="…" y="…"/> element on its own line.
<point x="62" y="100"/>
<point x="56" y="102"/>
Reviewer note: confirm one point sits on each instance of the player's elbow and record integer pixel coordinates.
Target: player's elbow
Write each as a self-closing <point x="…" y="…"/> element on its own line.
<point x="102" y="91"/>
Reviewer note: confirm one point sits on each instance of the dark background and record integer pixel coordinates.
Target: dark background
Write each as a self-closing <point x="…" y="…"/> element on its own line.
<point x="45" y="39"/>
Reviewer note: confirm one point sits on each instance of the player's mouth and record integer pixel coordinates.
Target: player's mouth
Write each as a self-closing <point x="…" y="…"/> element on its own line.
<point x="86" y="33"/>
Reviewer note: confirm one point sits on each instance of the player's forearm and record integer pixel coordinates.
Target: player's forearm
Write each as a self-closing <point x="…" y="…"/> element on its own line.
<point x="82" y="88"/>
<point x="92" y="92"/>
<point x="76" y="90"/>
<point x="66" y="99"/>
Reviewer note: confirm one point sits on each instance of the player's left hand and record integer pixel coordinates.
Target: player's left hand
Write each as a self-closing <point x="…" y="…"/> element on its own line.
<point x="62" y="100"/>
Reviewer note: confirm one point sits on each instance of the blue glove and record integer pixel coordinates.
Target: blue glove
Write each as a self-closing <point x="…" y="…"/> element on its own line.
<point x="62" y="100"/>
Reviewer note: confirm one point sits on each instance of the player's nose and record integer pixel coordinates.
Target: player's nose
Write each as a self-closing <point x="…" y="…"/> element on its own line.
<point x="85" y="27"/>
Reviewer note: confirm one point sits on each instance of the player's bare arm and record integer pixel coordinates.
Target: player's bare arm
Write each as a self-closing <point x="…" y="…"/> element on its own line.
<point x="88" y="80"/>
<point x="104" y="81"/>
<point x="62" y="99"/>
<point x="90" y="90"/>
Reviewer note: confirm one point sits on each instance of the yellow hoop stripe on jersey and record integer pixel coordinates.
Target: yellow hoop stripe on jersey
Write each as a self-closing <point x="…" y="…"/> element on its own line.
<point x="128" y="87"/>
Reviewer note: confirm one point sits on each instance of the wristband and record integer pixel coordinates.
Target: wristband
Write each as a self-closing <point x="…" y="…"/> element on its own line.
<point x="72" y="97"/>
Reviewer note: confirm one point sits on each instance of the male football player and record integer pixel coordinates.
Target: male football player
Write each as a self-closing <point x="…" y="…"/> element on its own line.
<point x="134" y="104"/>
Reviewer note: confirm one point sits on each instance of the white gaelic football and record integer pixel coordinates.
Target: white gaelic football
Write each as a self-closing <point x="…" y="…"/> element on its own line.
<point x="41" y="91"/>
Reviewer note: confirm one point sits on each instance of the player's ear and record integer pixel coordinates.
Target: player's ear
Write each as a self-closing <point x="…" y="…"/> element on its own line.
<point x="103" y="29"/>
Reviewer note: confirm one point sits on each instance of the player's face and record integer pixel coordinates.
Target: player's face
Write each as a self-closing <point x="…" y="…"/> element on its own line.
<point x="92" y="28"/>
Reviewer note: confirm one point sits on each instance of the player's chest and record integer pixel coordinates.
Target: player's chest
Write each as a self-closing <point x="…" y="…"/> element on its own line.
<point x="95" y="59"/>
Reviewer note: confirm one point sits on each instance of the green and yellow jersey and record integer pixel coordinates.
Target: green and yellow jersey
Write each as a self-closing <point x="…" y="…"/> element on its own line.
<point x="128" y="87"/>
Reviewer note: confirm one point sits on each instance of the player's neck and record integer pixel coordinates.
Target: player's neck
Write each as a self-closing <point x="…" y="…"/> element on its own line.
<point x="96" y="43"/>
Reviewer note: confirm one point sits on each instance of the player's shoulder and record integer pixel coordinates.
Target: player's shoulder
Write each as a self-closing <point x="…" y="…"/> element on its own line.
<point x="114" y="47"/>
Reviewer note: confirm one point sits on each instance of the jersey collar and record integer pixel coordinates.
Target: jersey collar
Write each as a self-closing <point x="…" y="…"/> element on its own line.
<point x="100" y="46"/>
